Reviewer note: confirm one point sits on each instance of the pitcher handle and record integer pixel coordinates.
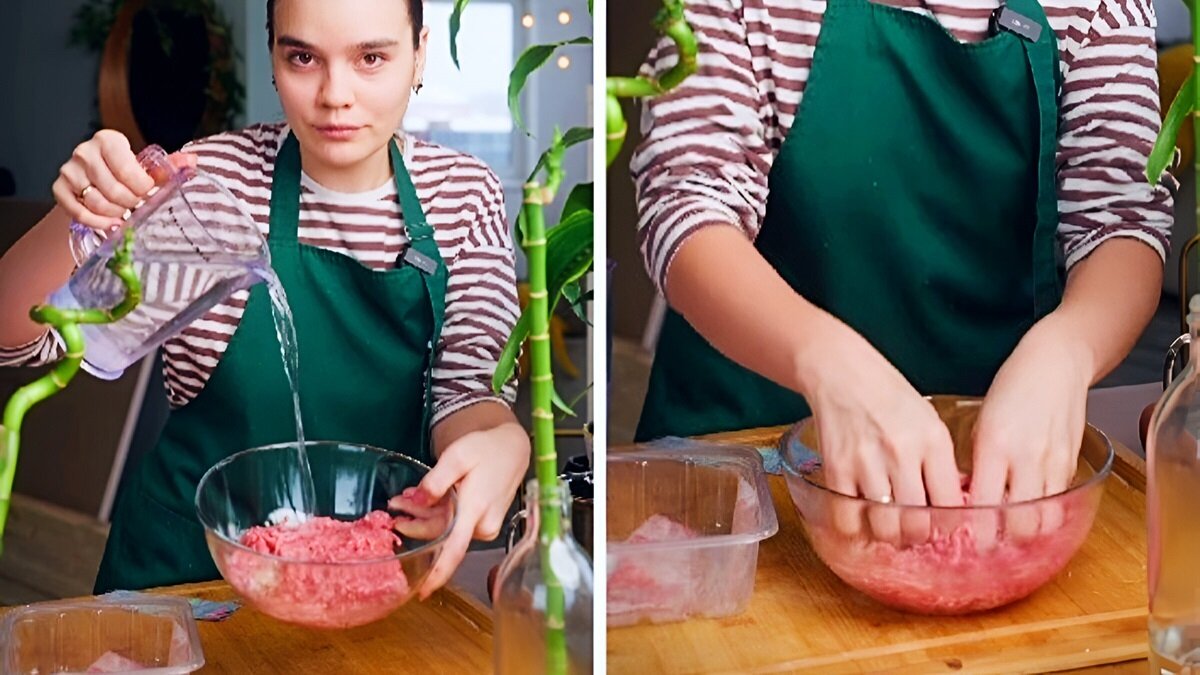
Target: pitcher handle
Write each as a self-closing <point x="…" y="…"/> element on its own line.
<point x="1183" y="281"/>
<point x="521" y="515"/>
<point x="1178" y="346"/>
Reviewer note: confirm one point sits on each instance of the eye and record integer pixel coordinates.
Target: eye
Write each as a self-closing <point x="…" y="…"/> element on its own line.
<point x="373" y="59"/>
<point x="301" y="58"/>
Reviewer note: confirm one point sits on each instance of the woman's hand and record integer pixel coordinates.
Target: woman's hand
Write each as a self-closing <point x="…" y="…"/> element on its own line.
<point x="1030" y="428"/>
<point x="879" y="439"/>
<point x="486" y="466"/>
<point x="103" y="180"/>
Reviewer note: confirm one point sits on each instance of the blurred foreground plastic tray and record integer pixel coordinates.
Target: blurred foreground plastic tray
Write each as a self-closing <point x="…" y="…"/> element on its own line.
<point x="150" y="635"/>
<point x="684" y="523"/>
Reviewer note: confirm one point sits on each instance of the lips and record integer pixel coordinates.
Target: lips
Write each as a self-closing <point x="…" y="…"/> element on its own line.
<point x="337" y="131"/>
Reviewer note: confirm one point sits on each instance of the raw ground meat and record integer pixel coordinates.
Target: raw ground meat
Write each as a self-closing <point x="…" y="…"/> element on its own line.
<point x="948" y="574"/>
<point x="672" y="584"/>
<point x="112" y="662"/>
<point x="660" y="528"/>
<point x="322" y="595"/>
<point x="325" y="539"/>
<point x="652" y="581"/>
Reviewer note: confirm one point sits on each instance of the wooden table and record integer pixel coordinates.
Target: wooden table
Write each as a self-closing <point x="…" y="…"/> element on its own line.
<point x="451" y="632"/>
<point x="802" y="618"/>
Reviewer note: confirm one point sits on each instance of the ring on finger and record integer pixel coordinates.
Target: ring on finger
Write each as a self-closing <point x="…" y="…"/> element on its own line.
<point x="84" y="192"/>
<point x="884" y="499"/>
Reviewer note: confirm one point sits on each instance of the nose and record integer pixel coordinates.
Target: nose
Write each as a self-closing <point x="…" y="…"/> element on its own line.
<point x="336" y="90"/>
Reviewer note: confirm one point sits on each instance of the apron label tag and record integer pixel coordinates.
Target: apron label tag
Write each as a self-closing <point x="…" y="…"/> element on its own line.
<point x="1013" y="22"/>
<point x="419" y="260"/>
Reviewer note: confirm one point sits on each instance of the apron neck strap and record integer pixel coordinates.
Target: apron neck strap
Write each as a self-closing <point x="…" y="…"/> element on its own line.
<point x="285" y="193"/>
<point x="1042" y="56"/>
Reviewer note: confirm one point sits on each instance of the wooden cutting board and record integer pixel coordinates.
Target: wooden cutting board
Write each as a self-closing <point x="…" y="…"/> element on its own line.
<point x="447" y="633"/>
<point x="803" y="618"/>
<point x="450" y="633"/>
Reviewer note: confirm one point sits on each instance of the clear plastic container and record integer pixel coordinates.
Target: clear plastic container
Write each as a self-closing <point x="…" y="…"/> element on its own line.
<point x="194" y="245"/>
<point x="684" y="523"/>
<point x="147" y="635"/>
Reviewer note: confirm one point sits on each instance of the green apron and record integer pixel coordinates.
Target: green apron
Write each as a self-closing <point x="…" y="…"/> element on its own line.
<point x="366" y="346"/>
<point x="914" y="199"/>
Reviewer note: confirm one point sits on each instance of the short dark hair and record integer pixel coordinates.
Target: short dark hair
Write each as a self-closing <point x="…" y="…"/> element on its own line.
<point x="416" y="12"/>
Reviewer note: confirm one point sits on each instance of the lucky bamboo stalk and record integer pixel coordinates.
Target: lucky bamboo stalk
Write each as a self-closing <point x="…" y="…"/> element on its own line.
<point x="66" y="322"/>
<point x="542" y="387"/>
<point x="670" y="22"/>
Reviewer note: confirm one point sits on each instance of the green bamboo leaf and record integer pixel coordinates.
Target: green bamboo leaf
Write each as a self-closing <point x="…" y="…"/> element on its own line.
<point x="530" y="60"/>
<point x="455" y="24"/>
<point x="570" y="405"/>
<point x="506" y="366"/>
<point x="571" y="292"/>
<point x="569" y="252"/>
<point x="1164" y="146"/>
<point x="560" y="403"/>
<point x="580" y="199"/>
<point x="574" y="136"/>
<point x="574" y="295"/>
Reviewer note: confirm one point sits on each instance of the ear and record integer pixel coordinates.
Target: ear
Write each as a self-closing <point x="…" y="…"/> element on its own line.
<point x="419" y="61"/>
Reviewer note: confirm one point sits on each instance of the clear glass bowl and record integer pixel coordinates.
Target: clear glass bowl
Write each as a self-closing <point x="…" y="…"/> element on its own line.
<point x="945" y="560"/>
<point x="256" y="486"/>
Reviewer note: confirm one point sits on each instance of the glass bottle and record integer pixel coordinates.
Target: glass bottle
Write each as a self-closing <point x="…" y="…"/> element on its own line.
<point x="521" y="591"/>
<point x="1172" y="505"/>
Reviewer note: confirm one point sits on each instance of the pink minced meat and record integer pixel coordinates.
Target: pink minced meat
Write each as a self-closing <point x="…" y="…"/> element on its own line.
<point x="112" y="662"/>
<point x="326" y="595"/>
<point x="654" y="580"/>
<point x="950" y="574"/>
<point x="671" y="583"/>
<point x="179" y="653"/>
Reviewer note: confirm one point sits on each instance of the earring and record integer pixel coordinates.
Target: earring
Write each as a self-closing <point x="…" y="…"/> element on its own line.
<point x="417" y="88"/>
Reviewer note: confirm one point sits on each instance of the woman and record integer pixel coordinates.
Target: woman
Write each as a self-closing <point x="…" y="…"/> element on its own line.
<point x="333" y="191"/>
<point x="891" y="184"/>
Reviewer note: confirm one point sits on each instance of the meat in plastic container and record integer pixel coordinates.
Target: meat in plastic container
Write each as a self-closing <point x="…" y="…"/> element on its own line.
<point x="684" y="522"/>
<point x="149" y="635"/>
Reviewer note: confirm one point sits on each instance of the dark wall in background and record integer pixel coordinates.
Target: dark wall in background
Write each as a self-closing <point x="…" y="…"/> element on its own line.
<point x="632" y="291"/>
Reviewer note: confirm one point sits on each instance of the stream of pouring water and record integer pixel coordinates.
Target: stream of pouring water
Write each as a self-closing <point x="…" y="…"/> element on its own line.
<point x="285" y="330"/>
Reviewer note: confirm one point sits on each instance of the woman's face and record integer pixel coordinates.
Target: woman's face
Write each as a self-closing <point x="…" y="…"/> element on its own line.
<point x="344" y="71"/>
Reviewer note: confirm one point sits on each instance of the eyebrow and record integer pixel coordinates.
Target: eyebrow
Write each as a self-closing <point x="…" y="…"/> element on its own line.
<point x="369" y="45"/>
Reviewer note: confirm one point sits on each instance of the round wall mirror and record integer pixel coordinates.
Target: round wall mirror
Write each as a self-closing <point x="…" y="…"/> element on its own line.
<point x="164" y="73"/>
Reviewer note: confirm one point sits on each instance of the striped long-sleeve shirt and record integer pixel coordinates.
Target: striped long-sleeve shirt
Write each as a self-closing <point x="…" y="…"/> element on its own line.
<point x="464" y="204"/>
<point x="709" y="144"/>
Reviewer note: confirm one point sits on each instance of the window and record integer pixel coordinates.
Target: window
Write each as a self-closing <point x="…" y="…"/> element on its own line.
<point x="467" y="109"/>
